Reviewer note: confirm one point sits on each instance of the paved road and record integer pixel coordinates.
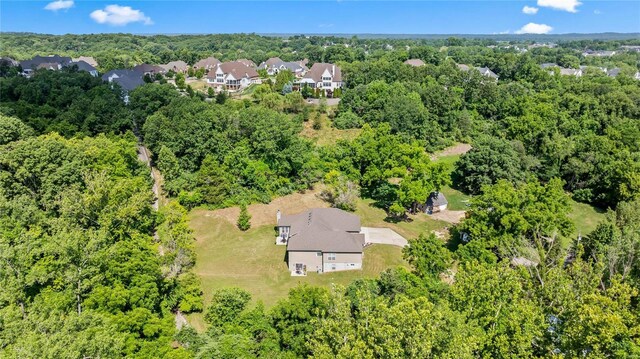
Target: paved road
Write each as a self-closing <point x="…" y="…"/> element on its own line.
<point x="383" y="236"/>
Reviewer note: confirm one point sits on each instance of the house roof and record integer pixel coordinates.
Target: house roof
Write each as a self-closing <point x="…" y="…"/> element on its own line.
<point x="38" y="60"/>
<point x="146" y="68"/>
<point x="83" y="66"/>
<point x="324" y="229"/>
<point x="548" y="64"/>
<point x="274" y="61"/>
<point x="437" y="199"/>
<point x="487" y="72"/>
<point x="613" y="72"/>
<point x="208" y="63"/>
<point x="176" y="66"/>
<point x="572" y="72"/>
<point x="316" y="71"/>
<point x="247" y="62"/>
<point x="237" y="69"/>
<point x="127" y="79"/>
<point x="88" y="59"/>
<point x="463" y="67"/>
<point x="415" y="62"/>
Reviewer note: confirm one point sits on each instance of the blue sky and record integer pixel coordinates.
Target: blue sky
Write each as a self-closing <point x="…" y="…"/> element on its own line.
<point x="342" y="16"/>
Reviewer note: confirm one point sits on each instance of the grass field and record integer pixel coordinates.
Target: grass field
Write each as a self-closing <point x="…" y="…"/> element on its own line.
<point x="585" y="217"/>
<point x="327" y="135"/>
<point x="228" y="257"/>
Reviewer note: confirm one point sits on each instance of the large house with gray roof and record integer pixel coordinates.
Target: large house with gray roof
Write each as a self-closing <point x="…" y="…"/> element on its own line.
<point x="321" y="240"/>
<point x="275" y="65"/>
<point x="323" y="76"/>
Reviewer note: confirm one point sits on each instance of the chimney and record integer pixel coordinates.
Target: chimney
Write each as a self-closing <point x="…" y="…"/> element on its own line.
<point x="278" y="215"/>
<point x="333" y="70"/>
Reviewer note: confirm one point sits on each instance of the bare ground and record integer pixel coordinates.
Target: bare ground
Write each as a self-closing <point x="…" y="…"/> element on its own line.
<point x="459" y="149"/>
<point x="449" y="216"/>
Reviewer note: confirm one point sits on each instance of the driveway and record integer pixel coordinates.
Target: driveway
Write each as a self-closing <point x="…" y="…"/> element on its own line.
<point x="383" y="236"/>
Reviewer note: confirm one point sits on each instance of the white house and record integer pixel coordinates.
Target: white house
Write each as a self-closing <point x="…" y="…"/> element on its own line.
<point x="233" y="76"/>
<point x="323" y="76"/>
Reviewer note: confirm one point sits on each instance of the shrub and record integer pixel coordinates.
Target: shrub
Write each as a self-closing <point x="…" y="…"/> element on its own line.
<point x="244" y="220"/>
<point x="346" y="120"/>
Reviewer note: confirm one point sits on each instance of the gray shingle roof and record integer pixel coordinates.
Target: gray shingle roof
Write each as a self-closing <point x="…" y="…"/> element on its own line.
<point x="436" y="199"/>
<point x="127" y="79"/>
<point x="83" y="66"/>
<point x="324" y="229"/>
<point x="38" y="60"/>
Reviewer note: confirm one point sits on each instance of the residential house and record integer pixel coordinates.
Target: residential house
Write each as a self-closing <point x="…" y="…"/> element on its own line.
<point x="484" y="71"/>
<point x="207" y="64"/>
<point x="84" y="66"/>
<point x="176" y="66"/>
<point x="127" y="79"/>
<point x="53" y="62"/>
<point x="415" y="62"/>
<point x="637" y="76"/>
<point x="233" y="76"/>
<point x="323" y="76"/>
<point x="571" y="72"/>
<point x="321" y="240"/>
<point x="151" y="70"/>
<point x="613" y="72"/>
<point x="88" y="59"/>
<point x="435" y="203"/>
<point x="547" y="65"/>
<point x="598" y="53"/>
<point x="275" y="65"/>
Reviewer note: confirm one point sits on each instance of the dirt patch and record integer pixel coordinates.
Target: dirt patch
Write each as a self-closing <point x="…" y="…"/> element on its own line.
<point x="263" y="214"/>
<point x="459" y="149"/>
<point x="449" y="216"/>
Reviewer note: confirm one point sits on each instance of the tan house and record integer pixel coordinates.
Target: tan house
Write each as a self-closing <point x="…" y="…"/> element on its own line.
<point x="176" y="66"/>
<point x="247" y="63"/>
<point x="233" y="76"/>
<point x="321" y="240"/>
<point x="207" y="64"/>
<point x="88" y="59"/>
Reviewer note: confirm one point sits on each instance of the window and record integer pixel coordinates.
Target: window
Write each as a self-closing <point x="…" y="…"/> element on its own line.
<point x="326" y="79"/>
<point x="326" y="84"/>
<point x="331" y="256"/>
<point x="318" y="254"/>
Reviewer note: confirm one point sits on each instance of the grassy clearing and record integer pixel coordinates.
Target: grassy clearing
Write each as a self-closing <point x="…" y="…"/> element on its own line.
<point x="585" y="217"/>
<point x="327" y="134"/>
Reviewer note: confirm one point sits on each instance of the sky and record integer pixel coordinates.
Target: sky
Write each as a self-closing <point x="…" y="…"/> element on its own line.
<point x="320" y="17"/>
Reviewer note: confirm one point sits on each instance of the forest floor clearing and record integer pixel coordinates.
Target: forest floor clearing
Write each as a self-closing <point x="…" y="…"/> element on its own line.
<point x="455" y="150"/>
<point x="449" y="216"/>
<point x="327" y="134"/>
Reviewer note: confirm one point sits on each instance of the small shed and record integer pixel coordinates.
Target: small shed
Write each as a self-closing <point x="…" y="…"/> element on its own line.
<point x="436" y="202"/>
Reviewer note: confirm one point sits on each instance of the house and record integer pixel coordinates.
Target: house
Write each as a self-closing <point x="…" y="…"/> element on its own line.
<point x="53" y="62"/>
<point x="547" y="65"/>
<point x="207" y="64"/>
<point x="84" y="66"/>
<point x="275" y="65"/>
<point x="570" y="72"/>
<point x="151" y="70"/>
<point x="127" y="79"/>
<point x="415" y="62"/>
<point x="176" y="66"/>
<point x="247" y="63"/>
<point x="321" y="240"/>
<point x="233" y="76"/>
<point x="613" y="72"/>
<point x="637" y="76"/>
<point x="323" y="76"/>
<point x="598" y="53"/>
<point x="436" y="202"/>
<point x="88" y="59"/>
<point x="484" y="71"/>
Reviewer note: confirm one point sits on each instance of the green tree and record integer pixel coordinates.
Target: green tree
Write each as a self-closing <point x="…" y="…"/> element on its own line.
<point x="428" y="256"/>
<point x="244" y="219"/>
<point x="226" y="305"/>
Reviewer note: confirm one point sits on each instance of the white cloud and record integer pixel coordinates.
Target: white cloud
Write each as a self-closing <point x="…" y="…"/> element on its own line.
<point x="597" y="12"/>
<point x="565" y="5"/>
<point x="325" y="25"/>
<point x="529" y="10"/>
<point x="59" y="5"/>
<point x="119" y="16"/>
<point x="533" y="28"/>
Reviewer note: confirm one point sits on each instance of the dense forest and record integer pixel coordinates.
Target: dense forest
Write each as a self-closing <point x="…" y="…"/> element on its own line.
<point x="88" y="268"/>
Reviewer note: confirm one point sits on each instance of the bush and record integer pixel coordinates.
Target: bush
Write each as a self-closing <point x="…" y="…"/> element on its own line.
<point x="317" y="122"/>
<point x="340" y="192"/>
<point x="244" y="220"/>
<point x="347" y="120"/>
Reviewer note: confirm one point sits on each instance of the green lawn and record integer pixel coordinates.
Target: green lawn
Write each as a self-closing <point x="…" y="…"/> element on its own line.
<point x="227" y="257"/>
<point x="327" y="134"/>
<point x="585" y="217"/>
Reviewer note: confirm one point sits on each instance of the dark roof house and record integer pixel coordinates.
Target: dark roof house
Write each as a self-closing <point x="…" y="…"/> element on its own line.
<point x="127" y="79"/>
<point x="149" y="69"/>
